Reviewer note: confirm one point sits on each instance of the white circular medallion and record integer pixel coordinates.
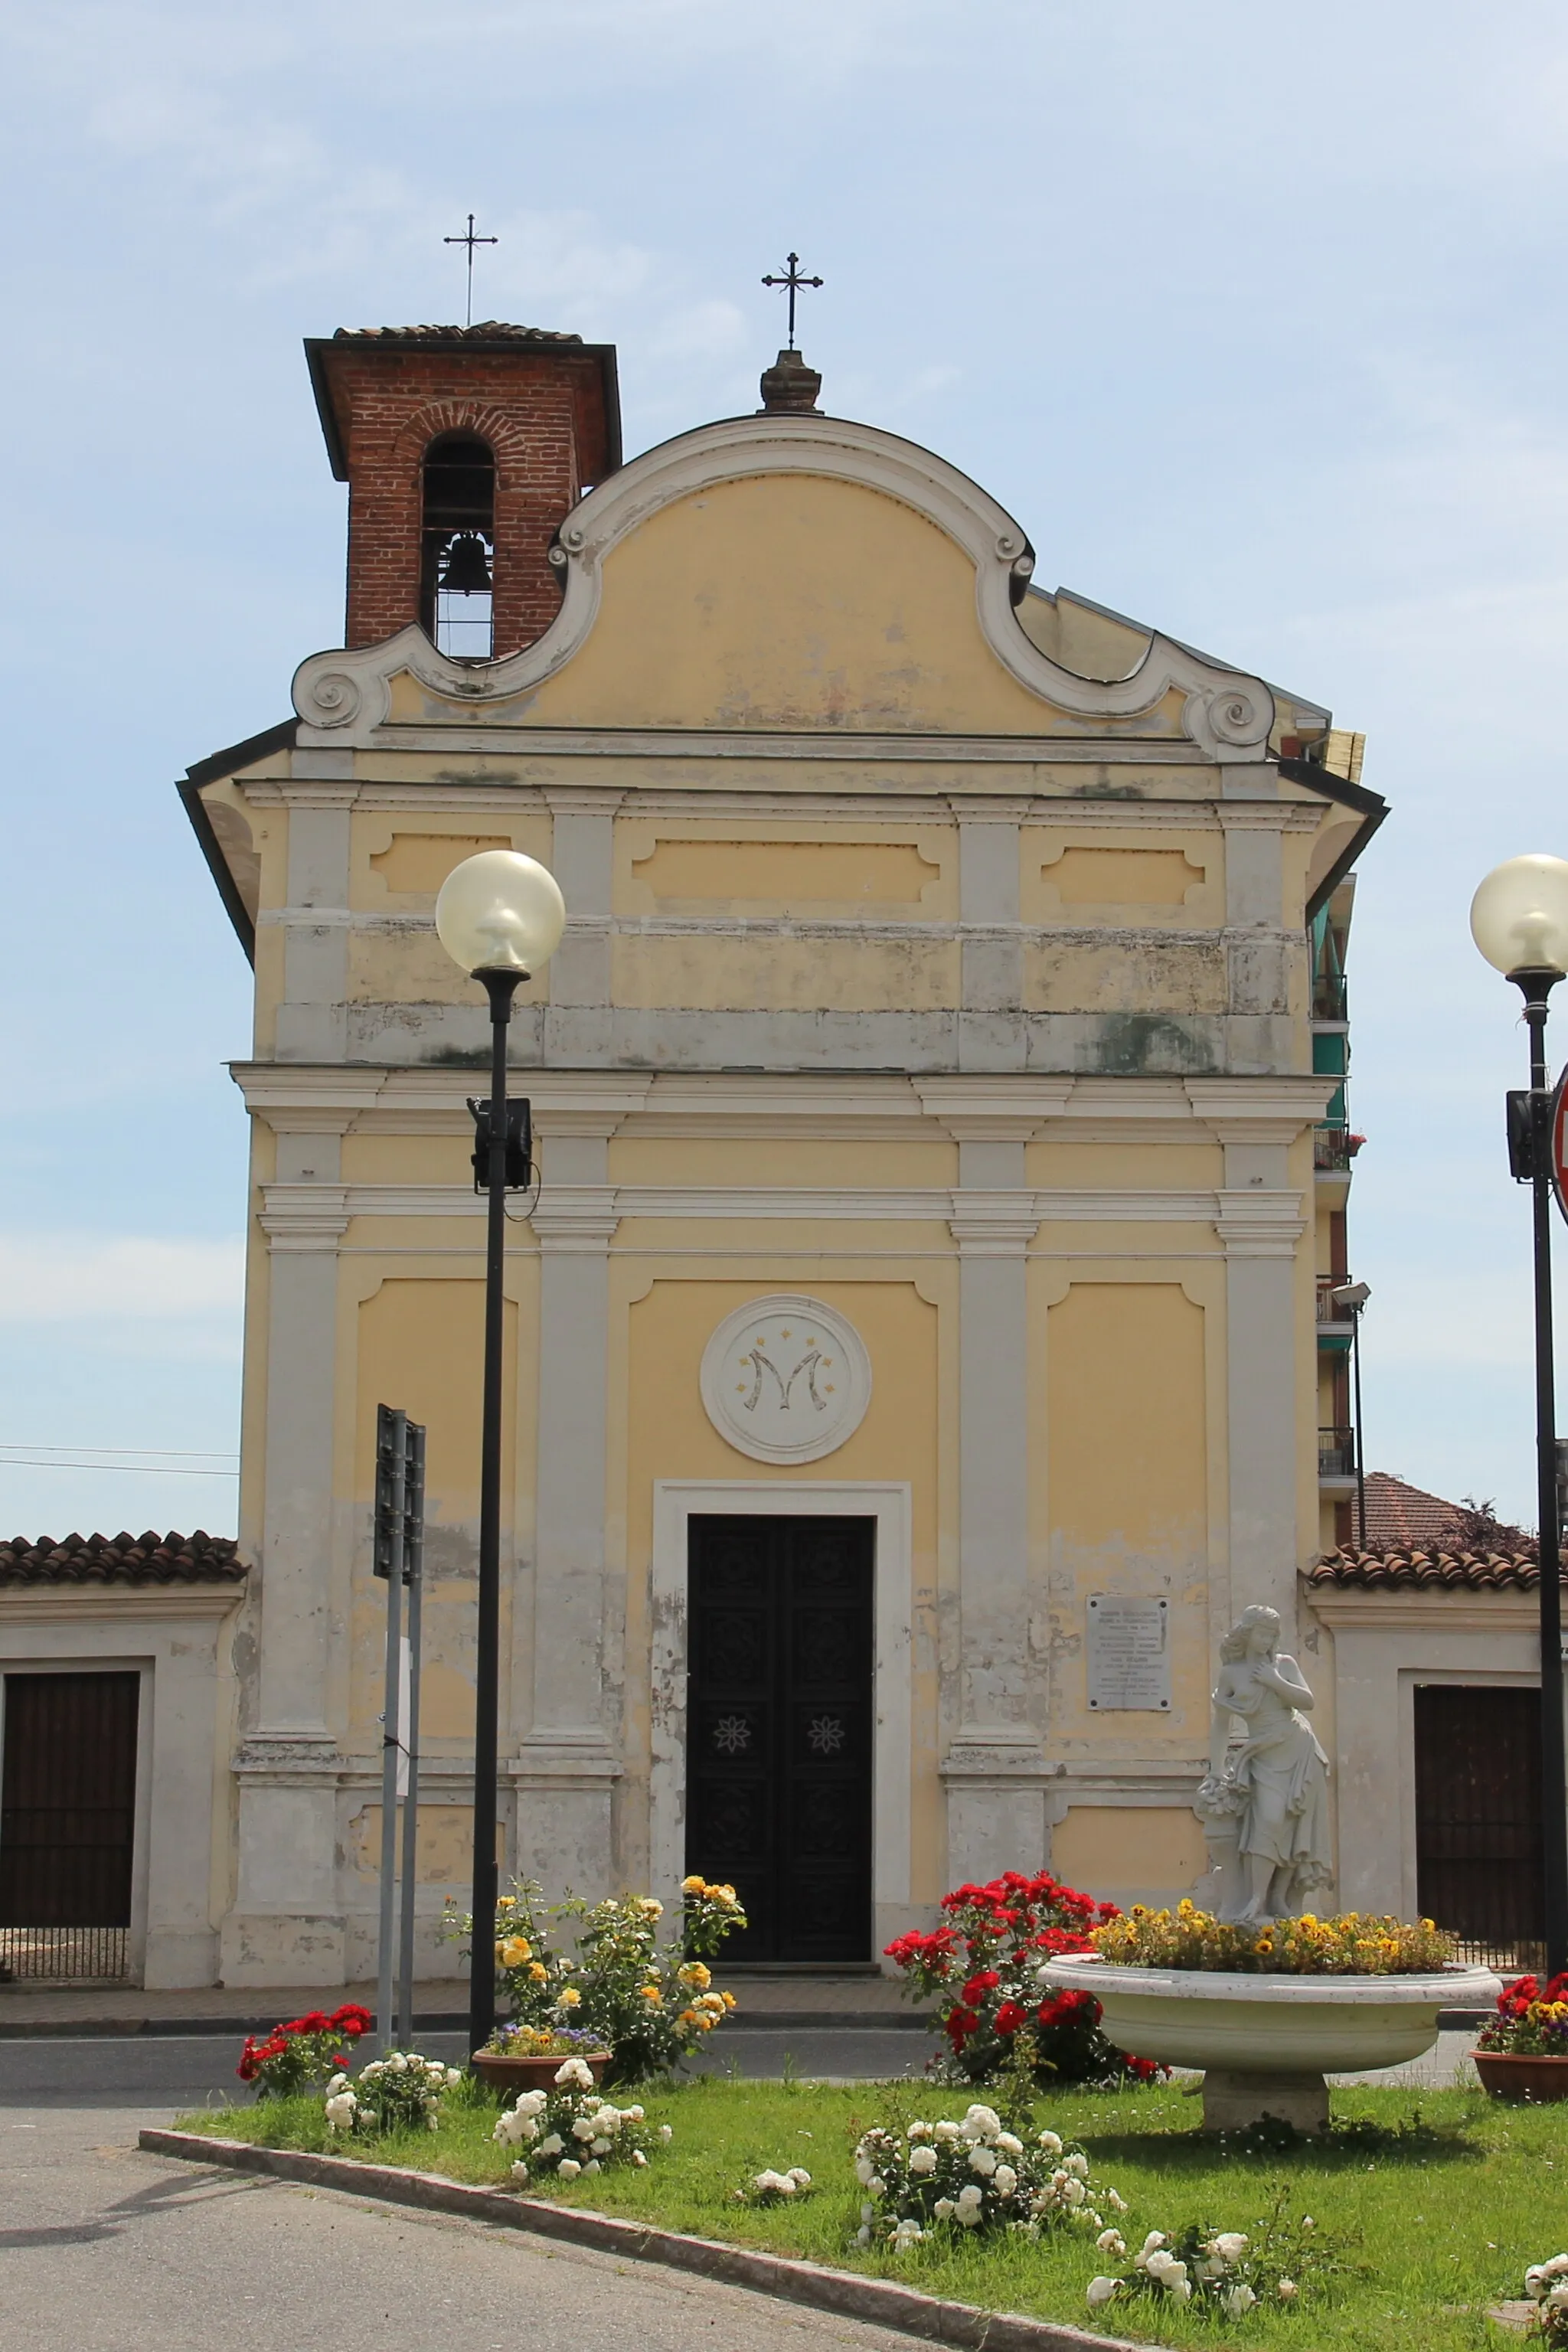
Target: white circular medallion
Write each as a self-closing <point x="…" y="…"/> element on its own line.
<point x="785" y="1378"/>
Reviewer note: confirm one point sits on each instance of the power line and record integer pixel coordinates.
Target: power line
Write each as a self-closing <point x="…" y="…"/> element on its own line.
<point x="133" y="1453"/>
<point x="119" y="1469"/>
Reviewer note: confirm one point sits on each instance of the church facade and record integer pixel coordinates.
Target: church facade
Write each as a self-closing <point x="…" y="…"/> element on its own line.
<point x="912" y="1350"/>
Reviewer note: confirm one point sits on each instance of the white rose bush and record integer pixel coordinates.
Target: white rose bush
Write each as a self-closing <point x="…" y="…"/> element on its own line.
<point x="973" y="2175"/>
<point x="1546" y="2284"/>
<point x="401" y="2092"/>
<point x="1222" y="2274"/>
<point x="572" y="2131"/>
<point x="772" y="2187"/>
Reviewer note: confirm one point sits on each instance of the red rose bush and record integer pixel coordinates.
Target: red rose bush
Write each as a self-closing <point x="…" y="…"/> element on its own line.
<point x="301" y="2055"/>
<point x="986" y="1962"/>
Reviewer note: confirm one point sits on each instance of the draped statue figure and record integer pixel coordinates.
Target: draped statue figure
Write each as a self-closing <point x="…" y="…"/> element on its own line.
<point x="1264" y="1804"/>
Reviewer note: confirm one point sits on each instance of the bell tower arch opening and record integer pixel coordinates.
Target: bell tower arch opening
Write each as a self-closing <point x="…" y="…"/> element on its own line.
<point x="457" y="544"/>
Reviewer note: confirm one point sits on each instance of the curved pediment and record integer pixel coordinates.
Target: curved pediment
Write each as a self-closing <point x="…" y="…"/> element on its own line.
<point x="794" y="573"/>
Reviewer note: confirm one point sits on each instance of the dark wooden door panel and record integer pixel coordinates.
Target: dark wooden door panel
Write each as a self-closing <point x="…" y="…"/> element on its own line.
<point x="1477" y="1812"/>
<point x="779" y="1730"/>
<point x="68" y="1794"/>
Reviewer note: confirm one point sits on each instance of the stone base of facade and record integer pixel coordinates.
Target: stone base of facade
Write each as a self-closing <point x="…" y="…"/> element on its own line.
<point x="266" y="1949"/>
<point x="564" y="1821"/>
<point x="996" y="1797"/>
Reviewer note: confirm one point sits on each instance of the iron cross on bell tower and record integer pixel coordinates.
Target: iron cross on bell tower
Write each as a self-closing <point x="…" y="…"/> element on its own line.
<point x="470" y="241"/>
<point x="792" y="278"/>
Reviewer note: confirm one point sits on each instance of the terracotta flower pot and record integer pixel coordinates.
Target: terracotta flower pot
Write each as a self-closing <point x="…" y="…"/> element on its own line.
<point x="508" y="2074"/>
<point x="1509" y="2077"/>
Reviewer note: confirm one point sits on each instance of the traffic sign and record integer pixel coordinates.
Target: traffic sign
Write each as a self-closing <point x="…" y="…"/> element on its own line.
<point x="1557" y="1141"/>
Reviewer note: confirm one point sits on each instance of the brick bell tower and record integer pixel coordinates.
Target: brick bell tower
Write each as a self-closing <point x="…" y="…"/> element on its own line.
<point x="463" y="448"/>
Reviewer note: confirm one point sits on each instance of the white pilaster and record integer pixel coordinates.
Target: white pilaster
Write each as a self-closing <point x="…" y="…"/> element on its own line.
<point x="286" y="1927"/>
<point x="568" y="1761"/>
<point x="994" y="1769"/>
<point x="990" y="1031"/>
<point x="312" y="1019"/>
<point x="582" y="861"/>
<point x="1260" y="1223"/>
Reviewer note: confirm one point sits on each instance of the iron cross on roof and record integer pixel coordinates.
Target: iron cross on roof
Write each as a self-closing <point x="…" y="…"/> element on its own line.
<point x="795" y="281"/>
<point x="470" y="241"/>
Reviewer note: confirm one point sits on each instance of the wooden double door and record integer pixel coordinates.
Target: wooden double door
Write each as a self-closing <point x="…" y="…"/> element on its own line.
<point x="779" y="1726"/>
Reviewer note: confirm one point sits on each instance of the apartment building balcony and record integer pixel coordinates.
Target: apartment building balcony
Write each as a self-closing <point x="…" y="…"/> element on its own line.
<point x="1336" y="1460"/>
<point x="1336" y="1324"/>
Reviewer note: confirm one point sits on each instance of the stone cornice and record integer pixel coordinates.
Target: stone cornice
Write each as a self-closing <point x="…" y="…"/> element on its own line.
<point x="1415" y="1609"/>
<point x="1259" y="1223"/>
<point x="312" y="1217"/>
<point x="575" y="1219"/>
<point x="984" y="1110"/>
<point x="1260" y="1111"/>
<point x="982" y="1209"/>
<point x="115" y="1603"/>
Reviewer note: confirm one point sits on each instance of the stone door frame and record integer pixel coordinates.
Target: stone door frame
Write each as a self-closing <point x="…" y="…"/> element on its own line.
<point x="676" y="1501"/>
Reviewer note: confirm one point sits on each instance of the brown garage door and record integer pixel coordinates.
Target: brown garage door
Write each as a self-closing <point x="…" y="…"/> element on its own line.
<point x="68" y="1791"/>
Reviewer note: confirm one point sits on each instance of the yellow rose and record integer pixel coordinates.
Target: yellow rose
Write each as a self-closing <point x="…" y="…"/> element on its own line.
<point x="694" y="1973"/>
<point x="538" y="1972"/>
<point x="652" y="1993"/>
<point x="650" y="1907"/>
<point x="728" y="1999"/>
<point x="512" y="1953"/>
<point x="694" y="1886"/>
<point x="571" y="1998"/>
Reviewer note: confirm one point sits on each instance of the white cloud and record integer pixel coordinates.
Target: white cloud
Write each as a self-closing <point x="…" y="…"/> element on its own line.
<point x="57" y="1278"/>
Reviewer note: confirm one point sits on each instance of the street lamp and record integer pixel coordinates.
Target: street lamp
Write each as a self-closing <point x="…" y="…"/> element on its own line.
<point x="1355" y="1294"/>
<point x="500" y="917"/>
<point x="1519" y="919"/>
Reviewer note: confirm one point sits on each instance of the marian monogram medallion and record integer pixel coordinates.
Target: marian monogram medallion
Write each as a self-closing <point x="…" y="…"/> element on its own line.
<point x="786" y="1379"/>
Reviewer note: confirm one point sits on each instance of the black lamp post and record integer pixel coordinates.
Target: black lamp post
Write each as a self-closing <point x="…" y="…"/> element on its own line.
<point x="1355" y="1294"/>
<point x="1519" y="919"/>
<point x="500" y="917"/>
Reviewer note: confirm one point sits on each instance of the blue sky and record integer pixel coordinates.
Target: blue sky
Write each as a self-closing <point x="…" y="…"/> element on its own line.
<point x="1253" y="316"/>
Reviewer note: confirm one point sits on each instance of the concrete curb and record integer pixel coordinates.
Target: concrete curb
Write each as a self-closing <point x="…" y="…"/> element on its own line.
<point x="879" y="2302"/>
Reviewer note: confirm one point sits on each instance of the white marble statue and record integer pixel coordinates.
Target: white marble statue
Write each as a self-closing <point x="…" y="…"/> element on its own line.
<point x="1264" y="1805"/>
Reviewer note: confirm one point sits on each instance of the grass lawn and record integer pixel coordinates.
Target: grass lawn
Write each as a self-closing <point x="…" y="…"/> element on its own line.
<point x="1446" y="2195"/>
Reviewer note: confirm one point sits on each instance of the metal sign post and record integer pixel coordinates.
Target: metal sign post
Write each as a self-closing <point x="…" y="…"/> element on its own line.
<point x="399" y="1481"/>
<point x="414" y="1571"/>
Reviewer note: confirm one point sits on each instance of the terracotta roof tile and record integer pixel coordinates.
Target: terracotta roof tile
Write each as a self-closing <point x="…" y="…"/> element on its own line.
<point x="1434" y="1570"/>
<point x="486" y="330"/>
<point x="149" y="1558"/>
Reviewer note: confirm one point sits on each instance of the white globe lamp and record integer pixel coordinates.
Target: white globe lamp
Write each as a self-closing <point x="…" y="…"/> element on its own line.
<point x="1518" y="916"/>
<point x="501" y="911"/>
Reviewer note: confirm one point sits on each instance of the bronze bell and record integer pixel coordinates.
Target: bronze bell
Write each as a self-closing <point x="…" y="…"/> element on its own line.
<point x="464" y="566"/>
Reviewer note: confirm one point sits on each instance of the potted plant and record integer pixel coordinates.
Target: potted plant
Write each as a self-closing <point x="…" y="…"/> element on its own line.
<point x="528" y="2057"/>
<point x="1522" y="2052"/>
<point x="599" y="1970"/>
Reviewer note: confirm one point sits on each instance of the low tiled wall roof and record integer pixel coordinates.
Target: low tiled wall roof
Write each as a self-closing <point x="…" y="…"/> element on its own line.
<point x="1457" y="1571"/>
<point x="150" y="1558"/>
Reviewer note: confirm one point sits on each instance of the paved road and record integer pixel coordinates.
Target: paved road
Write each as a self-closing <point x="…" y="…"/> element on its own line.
<point x="192" y="2070"/>
<point x="105" y="2250"/>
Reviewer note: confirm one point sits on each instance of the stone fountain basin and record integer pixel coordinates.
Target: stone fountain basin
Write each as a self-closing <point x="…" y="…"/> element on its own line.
<point x="1272" y="2024"/>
